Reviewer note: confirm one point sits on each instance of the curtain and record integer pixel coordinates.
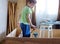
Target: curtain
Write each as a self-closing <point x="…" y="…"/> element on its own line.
<point x="59" y="12"/>
<point x="11" y="17"/>
<point x="34" y="16"/>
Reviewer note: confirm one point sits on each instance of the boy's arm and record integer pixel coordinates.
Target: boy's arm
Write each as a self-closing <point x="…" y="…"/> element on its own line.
<point x="29" y="20"/>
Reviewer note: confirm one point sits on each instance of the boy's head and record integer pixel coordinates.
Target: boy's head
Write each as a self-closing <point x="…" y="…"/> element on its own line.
<point x="31" y="3"/>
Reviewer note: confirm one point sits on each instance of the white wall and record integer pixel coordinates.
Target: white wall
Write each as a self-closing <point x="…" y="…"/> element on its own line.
<point x="3" y="17"/>
<point x="46" y="9"/>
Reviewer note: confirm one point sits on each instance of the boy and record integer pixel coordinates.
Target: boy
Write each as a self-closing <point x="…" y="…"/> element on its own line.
<point x="25" y="20"/>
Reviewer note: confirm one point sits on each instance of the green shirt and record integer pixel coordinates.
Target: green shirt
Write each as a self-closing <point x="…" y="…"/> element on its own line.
<point x="26" y="11"/>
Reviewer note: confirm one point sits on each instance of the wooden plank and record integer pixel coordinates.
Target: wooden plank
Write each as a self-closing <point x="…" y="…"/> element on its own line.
<point x="31" y="41"/>
<point x="9" y="18"/>
<point x="12" y="16"/>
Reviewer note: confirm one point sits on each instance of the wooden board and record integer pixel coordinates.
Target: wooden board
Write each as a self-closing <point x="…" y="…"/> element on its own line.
<point x="31" y="41"/>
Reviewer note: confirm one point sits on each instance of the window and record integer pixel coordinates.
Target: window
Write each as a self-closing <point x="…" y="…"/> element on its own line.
<point x="46" y="9"/>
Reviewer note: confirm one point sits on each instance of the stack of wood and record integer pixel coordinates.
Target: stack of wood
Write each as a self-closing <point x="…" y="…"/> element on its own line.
<point x="11" y="16"/>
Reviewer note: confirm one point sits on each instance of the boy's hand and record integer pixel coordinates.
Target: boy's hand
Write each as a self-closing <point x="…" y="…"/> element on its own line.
<point x="34" y="27"/>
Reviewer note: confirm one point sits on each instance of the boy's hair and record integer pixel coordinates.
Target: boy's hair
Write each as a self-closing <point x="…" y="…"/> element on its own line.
<point x="31" y="1"/>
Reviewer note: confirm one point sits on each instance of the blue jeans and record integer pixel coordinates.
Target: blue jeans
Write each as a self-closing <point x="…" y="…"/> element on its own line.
<point x="25" y="29"/>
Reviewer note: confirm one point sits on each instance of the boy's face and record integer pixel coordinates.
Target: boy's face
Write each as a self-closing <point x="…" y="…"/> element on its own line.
<point x="31" y="5"/>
